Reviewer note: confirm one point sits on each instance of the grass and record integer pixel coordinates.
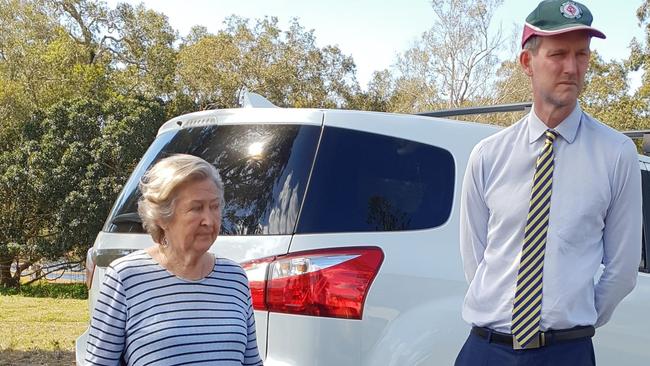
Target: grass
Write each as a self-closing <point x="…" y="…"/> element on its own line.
<point x="40" y="330"/>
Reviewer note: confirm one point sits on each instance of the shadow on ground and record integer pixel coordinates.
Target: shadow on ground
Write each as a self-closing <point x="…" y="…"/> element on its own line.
<point x="10" y="357"/>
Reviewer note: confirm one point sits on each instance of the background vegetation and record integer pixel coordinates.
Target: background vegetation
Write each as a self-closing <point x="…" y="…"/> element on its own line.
<point x="84" y="88"/>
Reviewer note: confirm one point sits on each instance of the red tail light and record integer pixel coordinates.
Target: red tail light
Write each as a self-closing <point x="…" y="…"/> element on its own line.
<point x="257" y="270"/>
<point x="327" y="283"/>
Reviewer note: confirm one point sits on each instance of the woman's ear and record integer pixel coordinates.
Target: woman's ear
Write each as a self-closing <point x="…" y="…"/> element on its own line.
<point x="526" y="60"/>
<point x="163" y="225"/>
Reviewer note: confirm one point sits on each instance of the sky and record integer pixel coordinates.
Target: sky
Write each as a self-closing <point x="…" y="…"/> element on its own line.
<point x="374" y="32"/>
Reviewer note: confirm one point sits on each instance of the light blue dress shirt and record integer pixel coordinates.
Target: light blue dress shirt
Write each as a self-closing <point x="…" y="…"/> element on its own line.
<point x="595" y="219"/>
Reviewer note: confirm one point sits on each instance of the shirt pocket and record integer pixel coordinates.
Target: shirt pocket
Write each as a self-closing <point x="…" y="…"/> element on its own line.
<point x="580" y="216"/>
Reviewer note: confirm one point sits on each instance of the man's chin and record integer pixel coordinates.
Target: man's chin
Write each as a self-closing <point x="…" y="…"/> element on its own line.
<point x="566" y="100"/>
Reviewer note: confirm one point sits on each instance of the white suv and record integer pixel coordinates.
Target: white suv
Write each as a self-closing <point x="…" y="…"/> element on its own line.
<point x="347" y="225"/>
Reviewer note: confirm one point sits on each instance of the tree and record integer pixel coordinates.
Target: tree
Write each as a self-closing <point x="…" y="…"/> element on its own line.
<point x="449" y="66"/>
<point x="57" y="186"/>
<point x="607" y="95"/>
<point x="416" y="86"/>
<point x="138" y="43"/>
<point x="40" y="64"/>
<point x="143" y="50"/>
<point x="287" y="67"/>
<point x="640" y="59"/>
<point x="512" y="86"/>
<point x="378" y="97"/>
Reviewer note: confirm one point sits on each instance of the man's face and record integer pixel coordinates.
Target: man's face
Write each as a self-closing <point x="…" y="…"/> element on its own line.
<point x="558" y="69"/>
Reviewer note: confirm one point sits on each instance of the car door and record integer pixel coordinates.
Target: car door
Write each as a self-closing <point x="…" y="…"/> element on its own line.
<point x="625" y="339"/>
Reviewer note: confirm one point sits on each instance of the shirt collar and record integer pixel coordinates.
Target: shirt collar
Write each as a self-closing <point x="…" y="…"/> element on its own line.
<point x="568" y="128"/>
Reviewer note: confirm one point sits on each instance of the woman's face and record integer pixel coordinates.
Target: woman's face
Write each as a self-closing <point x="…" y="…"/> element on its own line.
<point x="196" y="221"/>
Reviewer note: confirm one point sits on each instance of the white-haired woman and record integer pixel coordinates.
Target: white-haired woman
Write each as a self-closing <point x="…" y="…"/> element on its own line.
<point x="175" y="303"/>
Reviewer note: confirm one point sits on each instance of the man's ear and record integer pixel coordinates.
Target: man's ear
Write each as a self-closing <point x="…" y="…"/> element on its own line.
<point x="525" y="60"/>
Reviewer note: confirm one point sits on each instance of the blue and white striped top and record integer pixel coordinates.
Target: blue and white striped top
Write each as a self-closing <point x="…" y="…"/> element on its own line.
<point x="145" y="315"/>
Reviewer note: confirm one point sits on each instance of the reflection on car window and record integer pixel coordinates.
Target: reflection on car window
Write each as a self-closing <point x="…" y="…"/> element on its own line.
<point x="264" y="169"/>
<point x="369" y="182"/>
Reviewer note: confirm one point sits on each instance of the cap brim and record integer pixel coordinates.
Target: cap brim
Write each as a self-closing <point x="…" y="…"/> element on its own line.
<point x="530" y="30"/>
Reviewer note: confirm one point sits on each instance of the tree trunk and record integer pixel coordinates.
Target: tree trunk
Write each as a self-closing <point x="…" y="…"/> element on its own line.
<point x="6" y="280"/>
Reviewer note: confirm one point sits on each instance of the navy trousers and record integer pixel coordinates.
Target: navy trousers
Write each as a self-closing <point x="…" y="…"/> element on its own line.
<point x="478" y="351"/>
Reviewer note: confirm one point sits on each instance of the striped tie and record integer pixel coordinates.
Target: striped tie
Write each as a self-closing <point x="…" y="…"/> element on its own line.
<point x="527" y="308"/>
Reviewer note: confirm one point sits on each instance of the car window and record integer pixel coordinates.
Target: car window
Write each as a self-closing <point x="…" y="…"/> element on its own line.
<point x="264" y="170"/>
<point x="368" y="182"/>
<point x="645" y="245"/>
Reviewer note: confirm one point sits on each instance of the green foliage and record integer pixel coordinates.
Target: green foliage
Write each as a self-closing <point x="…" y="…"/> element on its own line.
<point x="640" y="59"/>
<point x="608" y="97"/>
<point x="379" y="94"/>
<point x="286" y="67"/>
<point x="41" y="63"/>
<point x="68" y="167"/>
<point x="142" y="47"/>
<point x="47" y="289"/>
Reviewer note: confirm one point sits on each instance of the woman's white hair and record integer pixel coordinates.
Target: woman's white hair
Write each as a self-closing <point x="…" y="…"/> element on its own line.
<point x="158" y="186"/>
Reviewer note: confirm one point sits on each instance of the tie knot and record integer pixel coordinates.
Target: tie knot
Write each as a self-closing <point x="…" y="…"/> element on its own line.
<point x="550" y="136"/>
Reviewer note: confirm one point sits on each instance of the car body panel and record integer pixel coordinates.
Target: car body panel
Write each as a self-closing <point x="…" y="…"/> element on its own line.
<point x="412" y="312"/>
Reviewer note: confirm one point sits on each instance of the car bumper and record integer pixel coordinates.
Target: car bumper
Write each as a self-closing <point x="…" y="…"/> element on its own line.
<point x="80" y="349"/>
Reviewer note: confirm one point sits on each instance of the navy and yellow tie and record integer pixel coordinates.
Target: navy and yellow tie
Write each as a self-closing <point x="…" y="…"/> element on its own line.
<point x="526" y="313"/>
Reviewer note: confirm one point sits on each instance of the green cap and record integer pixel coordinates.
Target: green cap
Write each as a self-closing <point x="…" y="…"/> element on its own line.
<point x="553" y="17"/>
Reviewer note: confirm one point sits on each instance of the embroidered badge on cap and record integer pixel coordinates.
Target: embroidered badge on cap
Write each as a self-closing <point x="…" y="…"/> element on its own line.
<point x="571" y="10"/>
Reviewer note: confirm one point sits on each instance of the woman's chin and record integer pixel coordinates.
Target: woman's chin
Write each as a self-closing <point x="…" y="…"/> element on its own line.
<point x="204" y="242"/>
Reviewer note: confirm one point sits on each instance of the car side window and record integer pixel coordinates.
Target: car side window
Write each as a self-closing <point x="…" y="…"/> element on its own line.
<point x="645" y="242"/>
<point x="369" y="182"/>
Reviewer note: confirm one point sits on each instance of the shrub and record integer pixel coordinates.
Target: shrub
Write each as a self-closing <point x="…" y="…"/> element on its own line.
<point x="47" y="289"/>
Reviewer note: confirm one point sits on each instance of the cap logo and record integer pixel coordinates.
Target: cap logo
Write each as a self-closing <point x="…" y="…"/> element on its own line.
<point x="571" y="10"/>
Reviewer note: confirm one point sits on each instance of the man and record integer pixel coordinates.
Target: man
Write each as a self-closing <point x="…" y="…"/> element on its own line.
<point x="544" y="203"/>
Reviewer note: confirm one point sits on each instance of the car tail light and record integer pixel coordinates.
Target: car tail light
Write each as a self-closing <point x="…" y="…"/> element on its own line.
<point x="326" y="283"/>
<point x="256" y="270"/>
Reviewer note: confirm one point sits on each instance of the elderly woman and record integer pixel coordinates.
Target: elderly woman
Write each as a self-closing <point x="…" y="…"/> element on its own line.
<point x="175" y="303"/>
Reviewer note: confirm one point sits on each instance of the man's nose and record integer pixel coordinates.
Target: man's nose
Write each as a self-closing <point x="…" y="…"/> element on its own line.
<point x="571" y="65"/>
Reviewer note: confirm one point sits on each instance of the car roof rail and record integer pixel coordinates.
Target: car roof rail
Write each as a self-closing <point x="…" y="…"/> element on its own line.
<point x="498" y="108"/>
<point x="523" y="107"/>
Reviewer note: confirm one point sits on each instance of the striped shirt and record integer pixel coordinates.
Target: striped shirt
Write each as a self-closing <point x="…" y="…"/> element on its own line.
<point x="147" y="316"/>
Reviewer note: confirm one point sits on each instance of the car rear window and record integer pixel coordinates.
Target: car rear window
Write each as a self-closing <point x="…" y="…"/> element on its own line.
<point x="645" y="241"/>
<point x="264" y="169"/>
<point x="368" y="182"/>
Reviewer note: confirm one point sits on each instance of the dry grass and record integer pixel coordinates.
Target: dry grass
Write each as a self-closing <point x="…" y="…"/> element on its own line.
<point x="40" y="331"/>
